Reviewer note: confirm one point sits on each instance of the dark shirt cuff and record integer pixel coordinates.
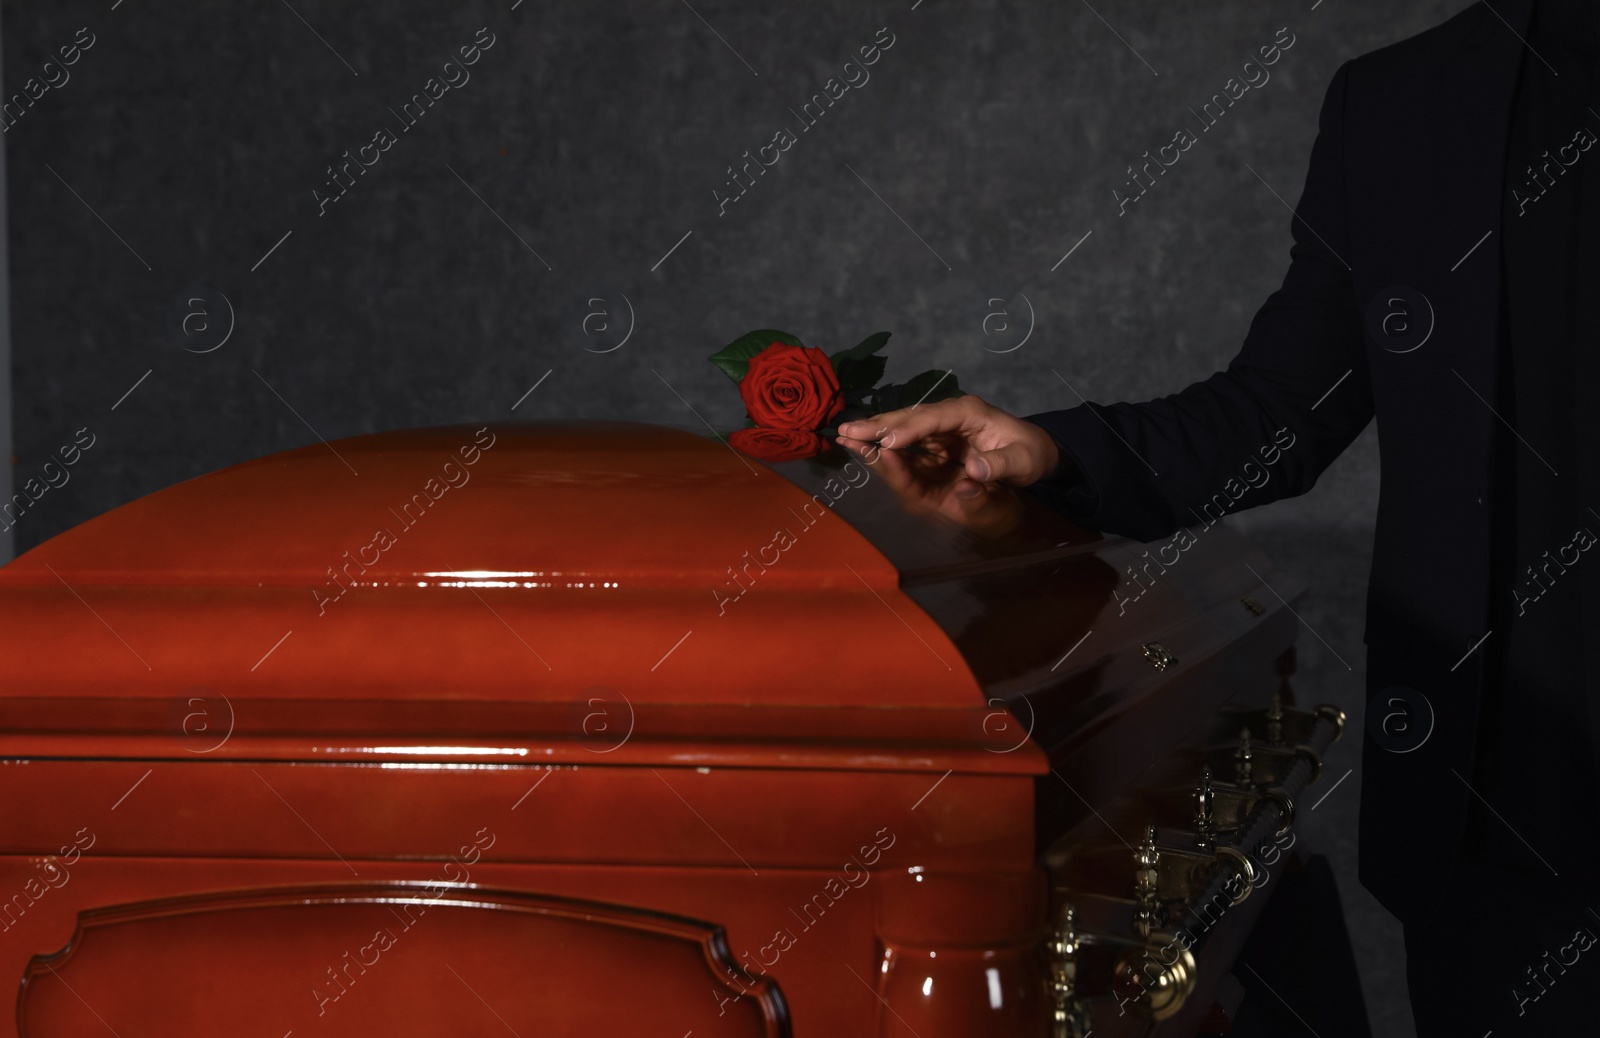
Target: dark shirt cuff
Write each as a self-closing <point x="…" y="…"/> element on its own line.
<point x="1069" y="488"/>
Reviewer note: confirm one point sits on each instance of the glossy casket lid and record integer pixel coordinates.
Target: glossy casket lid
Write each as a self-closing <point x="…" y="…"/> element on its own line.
<point x="556" y="582"/>
<point x="552" y="591"/>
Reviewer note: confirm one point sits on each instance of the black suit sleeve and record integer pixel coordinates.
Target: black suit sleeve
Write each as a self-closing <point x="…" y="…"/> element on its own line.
<point x="1300" y="378"/>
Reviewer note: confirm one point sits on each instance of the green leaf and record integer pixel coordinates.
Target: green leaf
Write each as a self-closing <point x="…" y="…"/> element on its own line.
<point x="859" y="373"/>
<point x="863" y="349"/>
<point x="734" y="358"/>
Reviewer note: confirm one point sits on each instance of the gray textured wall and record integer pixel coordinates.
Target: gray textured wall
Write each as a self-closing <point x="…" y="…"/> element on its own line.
<point x="187" y="140"/>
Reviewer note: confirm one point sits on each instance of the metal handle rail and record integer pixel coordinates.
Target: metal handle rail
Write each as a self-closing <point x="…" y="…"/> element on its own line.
<point x="1184" y="885"/>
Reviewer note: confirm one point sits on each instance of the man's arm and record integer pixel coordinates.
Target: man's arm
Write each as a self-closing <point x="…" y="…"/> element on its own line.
<point x="1145" y="469"/>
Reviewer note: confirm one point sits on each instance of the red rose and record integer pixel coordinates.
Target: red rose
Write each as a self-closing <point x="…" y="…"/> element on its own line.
<point x="777" y="444"/>
<point x="791" y="387"/>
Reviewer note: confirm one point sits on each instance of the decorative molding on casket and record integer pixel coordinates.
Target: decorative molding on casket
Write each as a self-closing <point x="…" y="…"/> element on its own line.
<point x="340" y="958"/>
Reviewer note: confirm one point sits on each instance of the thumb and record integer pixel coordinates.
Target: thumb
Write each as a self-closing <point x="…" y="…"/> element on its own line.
<point x="1010" y="463"/>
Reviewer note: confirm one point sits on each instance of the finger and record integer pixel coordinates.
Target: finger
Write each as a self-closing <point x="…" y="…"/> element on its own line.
<point x="876" y="427"/>
<point x="866" y="429"/>
<point x="966" y="489"/>
<point x="1009" y="463"/>
<point x="869" y="451"/>
<point x="908" y="425"/>
<point x="892" y="467"/>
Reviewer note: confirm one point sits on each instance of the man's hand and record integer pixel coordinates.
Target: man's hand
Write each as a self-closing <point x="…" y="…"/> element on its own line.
<point x="931" y="480"/>
<point x="995" y="447"/>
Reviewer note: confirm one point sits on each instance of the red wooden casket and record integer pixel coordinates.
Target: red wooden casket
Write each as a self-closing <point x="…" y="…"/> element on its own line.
<point x="593" y="728"/>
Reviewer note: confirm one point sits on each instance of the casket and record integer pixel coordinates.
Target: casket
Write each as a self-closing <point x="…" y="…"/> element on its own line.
<point x="599" y="728"/>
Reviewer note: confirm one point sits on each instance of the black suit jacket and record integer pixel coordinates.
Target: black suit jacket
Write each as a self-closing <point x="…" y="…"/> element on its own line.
<point x="1379" y="316"/>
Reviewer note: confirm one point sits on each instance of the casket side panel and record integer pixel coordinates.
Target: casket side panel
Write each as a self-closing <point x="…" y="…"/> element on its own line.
<point x="665" y="817"/>
<point x="806" y="927"/>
